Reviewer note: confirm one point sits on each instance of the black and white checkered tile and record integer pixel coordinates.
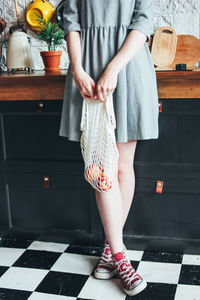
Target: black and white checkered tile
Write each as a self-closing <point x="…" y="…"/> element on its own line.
<point x="38" y="270"/>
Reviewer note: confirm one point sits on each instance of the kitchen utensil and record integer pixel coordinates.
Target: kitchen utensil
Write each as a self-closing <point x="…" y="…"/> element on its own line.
<point x="19" y="51"/>
<point x="163" y="47"/>
<point x="17" y="13"/>
<point x="187" y="52"/>
<point x="42" y="8"/>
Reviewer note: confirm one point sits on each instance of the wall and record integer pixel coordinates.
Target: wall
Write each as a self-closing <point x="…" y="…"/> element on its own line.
<point x="183" y="15"/>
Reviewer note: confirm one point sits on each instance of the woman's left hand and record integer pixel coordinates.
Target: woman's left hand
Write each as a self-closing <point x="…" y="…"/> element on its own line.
<point x="106" y="83"/>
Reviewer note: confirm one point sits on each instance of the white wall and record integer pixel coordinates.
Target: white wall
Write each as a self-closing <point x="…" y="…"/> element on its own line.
<point x="183" y="15"/>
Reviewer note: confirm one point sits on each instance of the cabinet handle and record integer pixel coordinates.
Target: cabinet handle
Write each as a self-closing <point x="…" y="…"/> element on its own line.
<point x="159" y="186"/>
<point x="40" y="107"/>
<point x="160" y="106"/>
<point x="46" y="182"/>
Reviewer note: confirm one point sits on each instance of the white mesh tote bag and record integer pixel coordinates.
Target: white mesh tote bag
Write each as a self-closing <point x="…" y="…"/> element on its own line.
<point x="98" y="142"/>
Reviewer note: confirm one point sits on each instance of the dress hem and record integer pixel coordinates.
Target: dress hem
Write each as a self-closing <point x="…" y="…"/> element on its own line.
<point x="76" y="139"/>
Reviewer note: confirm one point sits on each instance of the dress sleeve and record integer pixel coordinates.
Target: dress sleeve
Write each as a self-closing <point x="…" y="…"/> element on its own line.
<point x="71" y="20"/>
<point x="142" y="17"/>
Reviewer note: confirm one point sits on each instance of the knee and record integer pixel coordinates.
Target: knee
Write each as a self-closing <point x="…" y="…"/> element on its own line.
<point x="124" y="168"/>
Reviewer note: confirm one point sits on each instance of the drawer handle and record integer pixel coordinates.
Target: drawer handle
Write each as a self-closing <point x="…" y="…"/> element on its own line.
<point x="46" y="182"/>
<point x="160" y="106"/>
<point x="40" y="107"/>
<point x="159" y="186"/>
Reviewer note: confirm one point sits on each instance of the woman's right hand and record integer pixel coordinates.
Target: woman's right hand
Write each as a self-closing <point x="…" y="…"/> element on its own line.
<point x="85" y="84"/>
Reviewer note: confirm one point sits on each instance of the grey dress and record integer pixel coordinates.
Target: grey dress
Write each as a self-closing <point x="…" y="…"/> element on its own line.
<point x="104" y="25"/>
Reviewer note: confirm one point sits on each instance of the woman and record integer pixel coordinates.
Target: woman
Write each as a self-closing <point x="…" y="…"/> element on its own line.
<point x="108" y="52"/>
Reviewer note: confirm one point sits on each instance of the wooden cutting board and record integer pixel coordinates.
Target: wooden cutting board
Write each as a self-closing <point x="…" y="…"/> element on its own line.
<point x="187" y="52"/>
<point x="163" y="48"/>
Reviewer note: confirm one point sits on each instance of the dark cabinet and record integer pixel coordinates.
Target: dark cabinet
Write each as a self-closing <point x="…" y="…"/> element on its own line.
<point x="35" y="137"/>
<point x="169" y="218"/>
<point x="62" y="203"/>
<point x="46" y="200"/>
<point x="43" y="191"/>
<point x="44" y="174"/>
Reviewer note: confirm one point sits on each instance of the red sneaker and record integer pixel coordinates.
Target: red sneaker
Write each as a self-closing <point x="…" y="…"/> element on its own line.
<point x="132" y="282"/>
<point x="105" y="268"/>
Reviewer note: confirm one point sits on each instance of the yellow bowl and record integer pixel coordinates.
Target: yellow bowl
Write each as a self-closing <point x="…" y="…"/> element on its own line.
<point x="42" y="8"/>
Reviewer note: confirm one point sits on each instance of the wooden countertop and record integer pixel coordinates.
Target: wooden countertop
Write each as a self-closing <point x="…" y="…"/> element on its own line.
<point x="35" y="86"/>
<point x="41" y="86"/>
<point x="178" y="84"/>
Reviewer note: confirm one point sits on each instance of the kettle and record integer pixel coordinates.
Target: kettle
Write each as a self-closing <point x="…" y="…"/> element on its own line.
<point x="19" y="51"/>
<point x="18" y="56"/>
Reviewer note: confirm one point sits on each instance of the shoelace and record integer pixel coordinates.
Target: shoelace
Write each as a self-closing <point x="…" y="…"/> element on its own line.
<point x="106" y="256"/>
<point x="126" y="271"/>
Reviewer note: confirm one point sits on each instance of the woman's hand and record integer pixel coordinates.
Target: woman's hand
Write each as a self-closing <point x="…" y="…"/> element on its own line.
<point x="106" y="83"/>
<point x="85" y="83"/>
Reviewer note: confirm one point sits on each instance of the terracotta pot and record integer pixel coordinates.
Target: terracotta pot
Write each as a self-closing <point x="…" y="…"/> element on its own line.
<point x="51" y="60"/>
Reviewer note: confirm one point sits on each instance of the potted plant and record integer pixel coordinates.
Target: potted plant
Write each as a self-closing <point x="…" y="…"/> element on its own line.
<point x="53" y="35"/>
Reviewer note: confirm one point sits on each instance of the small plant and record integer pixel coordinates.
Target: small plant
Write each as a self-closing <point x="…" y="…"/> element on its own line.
<point x="51" y="33"/>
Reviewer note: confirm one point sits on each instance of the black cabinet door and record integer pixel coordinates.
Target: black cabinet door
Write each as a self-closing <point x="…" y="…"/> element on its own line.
<point x="171" y="214"/>
<point x="178" y="142"/>
<point x="66" y="204"/>
<point x="35" y="151"/>
<point x="174" y="159"/>
<point x="35" y="137"/>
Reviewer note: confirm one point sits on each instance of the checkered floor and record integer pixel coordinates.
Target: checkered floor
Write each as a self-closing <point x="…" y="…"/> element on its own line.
<point x="38" y="270"/>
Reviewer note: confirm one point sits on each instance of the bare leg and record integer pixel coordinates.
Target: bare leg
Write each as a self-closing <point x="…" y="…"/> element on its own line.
<point x="114" y="205"/>
<point x="126" y="175"/>
<point x="111" y="210"/>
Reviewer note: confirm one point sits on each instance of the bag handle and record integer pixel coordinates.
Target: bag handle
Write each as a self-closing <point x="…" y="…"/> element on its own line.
<point x="83" y="116"/>
<point x="110" y="111"/>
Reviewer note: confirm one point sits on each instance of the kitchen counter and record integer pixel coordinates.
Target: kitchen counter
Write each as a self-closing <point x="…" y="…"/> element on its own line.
<point x="42" y="86"/>
<point x="178" y="84"/>
<point x="35" y="86"/>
